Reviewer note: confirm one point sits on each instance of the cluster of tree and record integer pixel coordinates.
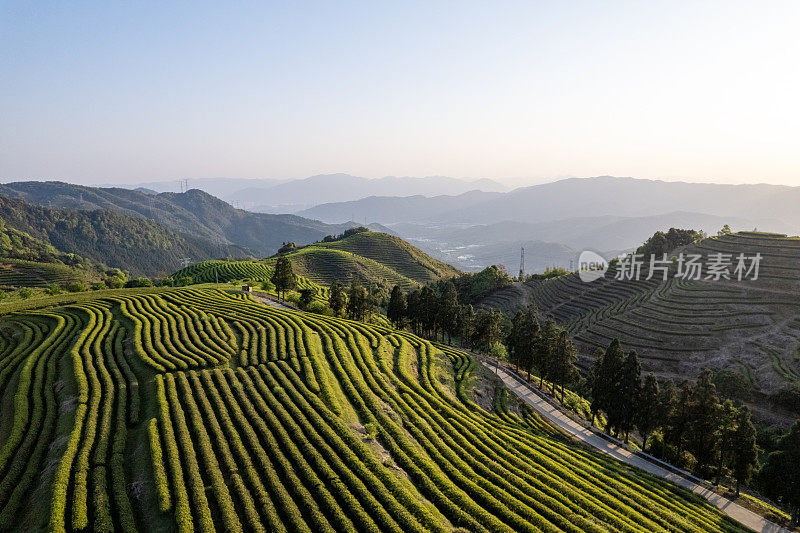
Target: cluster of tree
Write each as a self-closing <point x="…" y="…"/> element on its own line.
<point x="546" y="349"/>
<point x="549" y="272"/>
<point x="688" y="426"/>
<point x="347" y="233"/>
<point x="663" y="243"/>
<point x="287" y="247"/>
<point x="435" y="311"/>
<point x="471" y="287"/>
<point x="779" y="478"/>
<point x="356" y="301"/>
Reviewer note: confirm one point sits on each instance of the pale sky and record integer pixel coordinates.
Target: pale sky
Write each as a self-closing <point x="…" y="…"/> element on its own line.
<point x="100" y="92"/>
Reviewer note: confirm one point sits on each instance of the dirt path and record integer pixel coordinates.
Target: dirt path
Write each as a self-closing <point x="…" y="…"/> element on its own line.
<point x="270" y="301"/>
<point x="579" y="432"/>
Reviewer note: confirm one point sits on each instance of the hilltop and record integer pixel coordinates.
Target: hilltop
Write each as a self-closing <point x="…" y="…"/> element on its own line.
<point x="368" y="256"/>
<point x="747" y="331"/>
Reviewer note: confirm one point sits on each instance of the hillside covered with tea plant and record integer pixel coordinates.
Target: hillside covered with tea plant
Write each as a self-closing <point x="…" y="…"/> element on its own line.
<point x="747" y="331"/>
<point x="200" y="409"/>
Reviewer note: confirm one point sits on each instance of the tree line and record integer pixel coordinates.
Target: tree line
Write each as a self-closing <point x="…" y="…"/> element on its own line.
<point x="688" y="426"/>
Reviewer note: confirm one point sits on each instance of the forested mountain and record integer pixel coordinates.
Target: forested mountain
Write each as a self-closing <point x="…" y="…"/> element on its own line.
<point x="131" y="243"/>
<point x="194" y="213"/>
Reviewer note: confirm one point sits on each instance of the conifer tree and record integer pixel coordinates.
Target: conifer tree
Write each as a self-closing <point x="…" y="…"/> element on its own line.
<point x="357" y="301"/>
<point x="396" y="310"/>
<point x="780" y="476"/>
<point x="563" y="369"/>
<point x="337" y="299"/>
<point x="745" y="450"/>
<point x="283" y="277"/>
<point x="543" y="353"/>
<point x="447" y="313"/>
<point x="648" y="410"/>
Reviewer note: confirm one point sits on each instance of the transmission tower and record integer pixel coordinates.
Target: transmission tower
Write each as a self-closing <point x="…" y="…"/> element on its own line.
<point x="521" y="263"/>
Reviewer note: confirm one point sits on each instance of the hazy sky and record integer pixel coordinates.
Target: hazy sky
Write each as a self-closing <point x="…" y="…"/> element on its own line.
<point x="141" y="91"/>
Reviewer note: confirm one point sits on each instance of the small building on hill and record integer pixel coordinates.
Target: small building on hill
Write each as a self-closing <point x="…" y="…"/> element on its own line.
<point x="247" y="288"/>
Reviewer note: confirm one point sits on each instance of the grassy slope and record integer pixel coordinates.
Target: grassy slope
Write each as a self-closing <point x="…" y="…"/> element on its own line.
<point x="395" y="253"/>
<point x="372" y="257"/>
<point x="274" y="419"/>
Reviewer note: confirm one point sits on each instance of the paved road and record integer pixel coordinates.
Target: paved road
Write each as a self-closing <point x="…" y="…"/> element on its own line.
<point x="576" y="430"/>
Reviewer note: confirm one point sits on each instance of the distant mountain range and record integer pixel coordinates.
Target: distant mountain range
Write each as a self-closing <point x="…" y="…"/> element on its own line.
<point x="555" y="221"/>
<point x="290" y="196"/>
<point x="295" y="195"/>
<point x="577" y="198"/>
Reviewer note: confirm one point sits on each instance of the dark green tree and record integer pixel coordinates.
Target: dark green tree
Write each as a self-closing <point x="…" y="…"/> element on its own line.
<point x="513" y="340"/>
<point x="428" y="308"/>
<point x="306" y="297"/>
<point x="704" y="424"/>
<point x="677" y="423"/>
<point x="563" y="370"/>
<point x="648" y="408"/>
<point x="466" y="323"/>
<point x="606" y="383"/>
<point x="396" y="310"/>
<point x="594" y="387"/>
<point x="447" y="314"/>
<point x="487" y="329"/>
<point x="630" y="381"/>
<point x="337" y="299"/>
<point x="780" y="476"/>
<point x="523" y="338"/>
<point x="544" y="348"/>
<point x="283" y="277"/>
<point x="357" y="305"/>
<point x="414" y="310"/>
<point x="745" y="450"/>
<point x="727" y="416"/>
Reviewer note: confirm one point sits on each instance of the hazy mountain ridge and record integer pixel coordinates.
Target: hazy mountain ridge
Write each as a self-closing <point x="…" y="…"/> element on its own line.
<point x="589" y="197"/>
<point x="297" y="195"/>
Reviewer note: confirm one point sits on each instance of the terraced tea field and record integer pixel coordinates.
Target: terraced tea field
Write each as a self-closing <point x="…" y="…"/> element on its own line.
<point x="197" y="409"/>
<point x="18" y="273"/>
<point x="395" y="253"/>
<point x="679" y="326"/>
<point x="253" y="271"/>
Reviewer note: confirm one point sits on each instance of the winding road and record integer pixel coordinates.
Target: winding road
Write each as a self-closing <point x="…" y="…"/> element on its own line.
<point x="581" y="433"/>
